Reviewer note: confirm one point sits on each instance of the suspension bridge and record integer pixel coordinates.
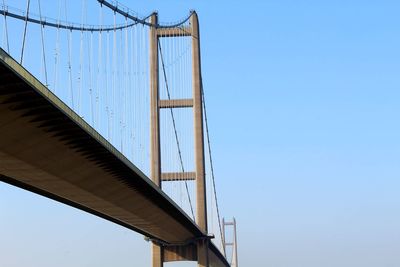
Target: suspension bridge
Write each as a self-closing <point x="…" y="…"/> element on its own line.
<point x="104" y="110"/>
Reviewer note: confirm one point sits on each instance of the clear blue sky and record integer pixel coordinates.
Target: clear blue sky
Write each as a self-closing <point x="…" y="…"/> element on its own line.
<point x="304" y="104"/>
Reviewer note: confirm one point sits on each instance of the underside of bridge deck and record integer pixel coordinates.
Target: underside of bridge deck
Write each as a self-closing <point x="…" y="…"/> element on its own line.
<point x="47" y="149"/>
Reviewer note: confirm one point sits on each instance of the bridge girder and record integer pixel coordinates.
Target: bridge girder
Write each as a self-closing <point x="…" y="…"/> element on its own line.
<point x="48" y="149"/>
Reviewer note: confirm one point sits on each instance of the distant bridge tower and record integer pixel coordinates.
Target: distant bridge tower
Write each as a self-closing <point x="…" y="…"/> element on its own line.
<point x="232" y="243"/>
<point x="197" y="250"/>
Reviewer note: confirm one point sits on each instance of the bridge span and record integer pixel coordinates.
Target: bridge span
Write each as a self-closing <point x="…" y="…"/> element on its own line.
<point x="46" y="148"/>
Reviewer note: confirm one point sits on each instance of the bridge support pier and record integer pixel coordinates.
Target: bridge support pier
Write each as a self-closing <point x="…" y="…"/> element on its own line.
<point x="202" y="253"/>
<point x="157" y="255"/>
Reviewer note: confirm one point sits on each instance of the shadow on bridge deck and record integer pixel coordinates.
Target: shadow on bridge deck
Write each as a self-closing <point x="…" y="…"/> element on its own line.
<point x="48" y="149"/>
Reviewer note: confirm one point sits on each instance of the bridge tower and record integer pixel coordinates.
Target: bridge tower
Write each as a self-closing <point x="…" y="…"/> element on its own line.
<point x="197" y="250"/>
<point x="232" y="243"/>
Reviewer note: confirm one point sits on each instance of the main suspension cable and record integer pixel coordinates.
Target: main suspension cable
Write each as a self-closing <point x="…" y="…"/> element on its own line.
<point x="142" y="21"/>
<point x="62" y="25"/>
<point x="210" y="157"/>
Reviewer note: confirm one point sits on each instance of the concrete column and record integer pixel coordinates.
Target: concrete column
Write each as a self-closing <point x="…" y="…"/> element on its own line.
<point x="155" y="164"/>
<point x="201" y="216"/>
<point x="235" y="242"/>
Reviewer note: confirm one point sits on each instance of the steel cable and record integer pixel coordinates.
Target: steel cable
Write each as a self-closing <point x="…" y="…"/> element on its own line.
<point x="174" y="126"/>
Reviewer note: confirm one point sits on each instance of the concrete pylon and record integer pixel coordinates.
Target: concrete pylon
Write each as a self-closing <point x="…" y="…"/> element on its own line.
<point x="201" y="201"/>
<point x="155" y="164"/>
<point x="232" y="243"/>
<point x="198" y="252"/>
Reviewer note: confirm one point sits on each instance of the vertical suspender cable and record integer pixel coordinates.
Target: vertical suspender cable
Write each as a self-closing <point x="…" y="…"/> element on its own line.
<point x="91" y="77"/>
<point x="69" y="36"/>
<point x="131" y="98"/>
<point x="5" y="27"/>
<point x="121" y="91"/>
<point x="142" y="103"/>
<point x="137" y="96"/>
<point x="174" y="125"/>
<point x="25" y="28"/>
<point x="126" y="94"/>
<point x="81" y="67"/>
<point x="81" y="71"/>
<point x="185" y="134"/>
<point x="108" y="78"/>
<point x="57" y="49"/>
<point x="183" y="85"/>
<point x="43" y="45"/>
<point x="99" y="67"/>
<point x="70" y="68"/>
<point x="113" y="57"/>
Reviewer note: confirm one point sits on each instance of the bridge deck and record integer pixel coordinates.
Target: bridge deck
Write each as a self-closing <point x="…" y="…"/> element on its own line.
<point x="47" y="149"/>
